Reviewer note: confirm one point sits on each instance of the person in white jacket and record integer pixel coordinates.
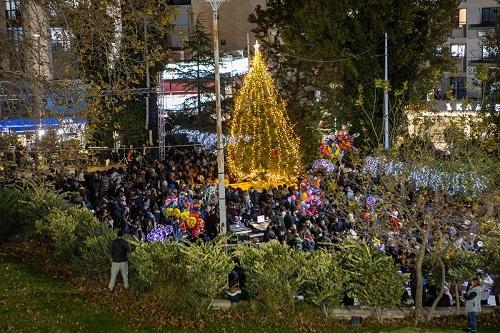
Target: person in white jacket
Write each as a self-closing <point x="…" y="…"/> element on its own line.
<point x="486" y="283"/>
<point x="473" y="304"/>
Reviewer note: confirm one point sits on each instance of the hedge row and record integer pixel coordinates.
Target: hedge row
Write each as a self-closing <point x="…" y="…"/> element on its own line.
<point x="189" y="275"/>
<point x="275" y="274"/>
<point x="35" y="211"/>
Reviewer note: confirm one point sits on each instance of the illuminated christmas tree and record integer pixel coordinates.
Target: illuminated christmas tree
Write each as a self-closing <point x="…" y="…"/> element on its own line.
<point x="263" y="146"/>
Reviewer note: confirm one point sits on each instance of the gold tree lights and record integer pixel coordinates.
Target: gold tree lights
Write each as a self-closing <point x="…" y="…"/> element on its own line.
<point x="263" y="146"/>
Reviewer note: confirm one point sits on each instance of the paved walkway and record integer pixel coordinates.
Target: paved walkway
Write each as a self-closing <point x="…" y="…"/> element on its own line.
<point x="347" y="312"/>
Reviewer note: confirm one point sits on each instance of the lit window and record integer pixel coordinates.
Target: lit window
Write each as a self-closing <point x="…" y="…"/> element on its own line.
<point x="488" y="52"/>
<point x="462" y="17"/>
<point x="15" y="35"/>
<point x="12" y="9"/>
<point x="457" y="50"/>
<point x="59" y="38"/>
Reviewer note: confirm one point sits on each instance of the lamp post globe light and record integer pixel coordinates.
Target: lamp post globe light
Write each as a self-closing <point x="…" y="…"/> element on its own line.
<point x="215" y="4"/>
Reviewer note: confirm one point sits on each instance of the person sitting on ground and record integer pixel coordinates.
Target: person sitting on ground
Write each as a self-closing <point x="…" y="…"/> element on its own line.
<point x="236" y="280"/>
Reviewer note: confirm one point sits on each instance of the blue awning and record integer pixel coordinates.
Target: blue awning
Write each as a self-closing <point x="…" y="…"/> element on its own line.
<point x="21" y="125"/>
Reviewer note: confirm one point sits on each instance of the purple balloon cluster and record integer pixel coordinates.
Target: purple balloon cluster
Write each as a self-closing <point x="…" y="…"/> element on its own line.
<point x="324" y="164"/>
<point x="371" y="201"/>
<point x="159" y="233"/>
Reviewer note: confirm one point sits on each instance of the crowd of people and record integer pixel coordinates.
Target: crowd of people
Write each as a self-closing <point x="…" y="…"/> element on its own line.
<point x="132" y="199"/>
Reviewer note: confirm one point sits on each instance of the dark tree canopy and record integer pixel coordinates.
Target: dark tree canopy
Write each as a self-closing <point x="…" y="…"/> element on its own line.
<point x="334" y="47"/>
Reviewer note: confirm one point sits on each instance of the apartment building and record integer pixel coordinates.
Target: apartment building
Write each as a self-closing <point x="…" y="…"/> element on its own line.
<point x="33" y="83"/>
<point x="473" y="19"/>
<point x="27" y="38"/>
<point x="234" y="37"/>
<point x="234" y="26"/>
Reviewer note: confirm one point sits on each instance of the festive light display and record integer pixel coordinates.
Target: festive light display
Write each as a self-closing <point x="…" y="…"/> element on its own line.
<point x="426" y="177"/>
<point x="206" y="139"/>
<point x="270" y="151"/>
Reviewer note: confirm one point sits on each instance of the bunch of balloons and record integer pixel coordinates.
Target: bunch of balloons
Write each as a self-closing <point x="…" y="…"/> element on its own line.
<point x="335" y="146"/>
<point x="322" y="164"/>
<point x="187" y="213"/>
<point x="160" y="233"/>
<point x="310" y="195"/>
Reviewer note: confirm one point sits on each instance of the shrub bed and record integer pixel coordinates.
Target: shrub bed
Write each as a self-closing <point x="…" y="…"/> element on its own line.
<point x="187" y="276"/>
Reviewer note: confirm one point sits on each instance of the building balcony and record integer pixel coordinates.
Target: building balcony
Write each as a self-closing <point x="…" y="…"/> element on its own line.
<point x="179" y="2"/>
<point x="483" y="24"/>
<point x="481" y="61"/>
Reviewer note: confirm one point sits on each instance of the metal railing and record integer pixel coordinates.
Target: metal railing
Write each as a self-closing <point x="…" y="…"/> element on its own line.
<point x="84" y="157"/>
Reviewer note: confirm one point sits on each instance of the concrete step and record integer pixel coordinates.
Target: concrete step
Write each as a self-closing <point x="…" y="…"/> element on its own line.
<point x="220" y="304"/>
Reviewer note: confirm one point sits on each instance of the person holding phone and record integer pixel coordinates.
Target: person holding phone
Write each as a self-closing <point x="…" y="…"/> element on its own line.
<point x="473" y="304"/>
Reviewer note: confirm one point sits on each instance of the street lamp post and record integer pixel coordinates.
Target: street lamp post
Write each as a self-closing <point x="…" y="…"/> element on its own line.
<point x="386" y="99"/>
<point x="215" y="4"/>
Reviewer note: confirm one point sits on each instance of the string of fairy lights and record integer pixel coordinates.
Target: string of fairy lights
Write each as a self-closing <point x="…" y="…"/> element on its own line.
<point x="424" y="177"/>
<point x="272" y="153"/>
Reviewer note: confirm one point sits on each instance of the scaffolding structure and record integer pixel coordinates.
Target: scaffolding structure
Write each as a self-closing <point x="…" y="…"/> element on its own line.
<point x="162" y="115"/>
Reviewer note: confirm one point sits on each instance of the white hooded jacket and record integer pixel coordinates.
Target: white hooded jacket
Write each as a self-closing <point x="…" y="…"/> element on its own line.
<point x="473" y="304"/>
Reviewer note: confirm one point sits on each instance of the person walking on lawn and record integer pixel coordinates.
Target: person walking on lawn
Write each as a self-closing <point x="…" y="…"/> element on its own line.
<point x="120" y="249"/>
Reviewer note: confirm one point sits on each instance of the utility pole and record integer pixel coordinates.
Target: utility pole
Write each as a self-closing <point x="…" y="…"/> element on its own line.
<point x="386" y="99"/>
<point x="220" y="145"/>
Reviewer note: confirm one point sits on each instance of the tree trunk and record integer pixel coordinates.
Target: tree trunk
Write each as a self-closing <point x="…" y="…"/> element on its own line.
<point x="418" y="268"/>
<point x="457" y="296"/>
<point x="441" y="290"/>
<point x="198" y="86"/>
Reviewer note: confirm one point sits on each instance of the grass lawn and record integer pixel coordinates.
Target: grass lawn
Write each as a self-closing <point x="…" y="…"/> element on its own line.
<point x="31" y="301"/>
